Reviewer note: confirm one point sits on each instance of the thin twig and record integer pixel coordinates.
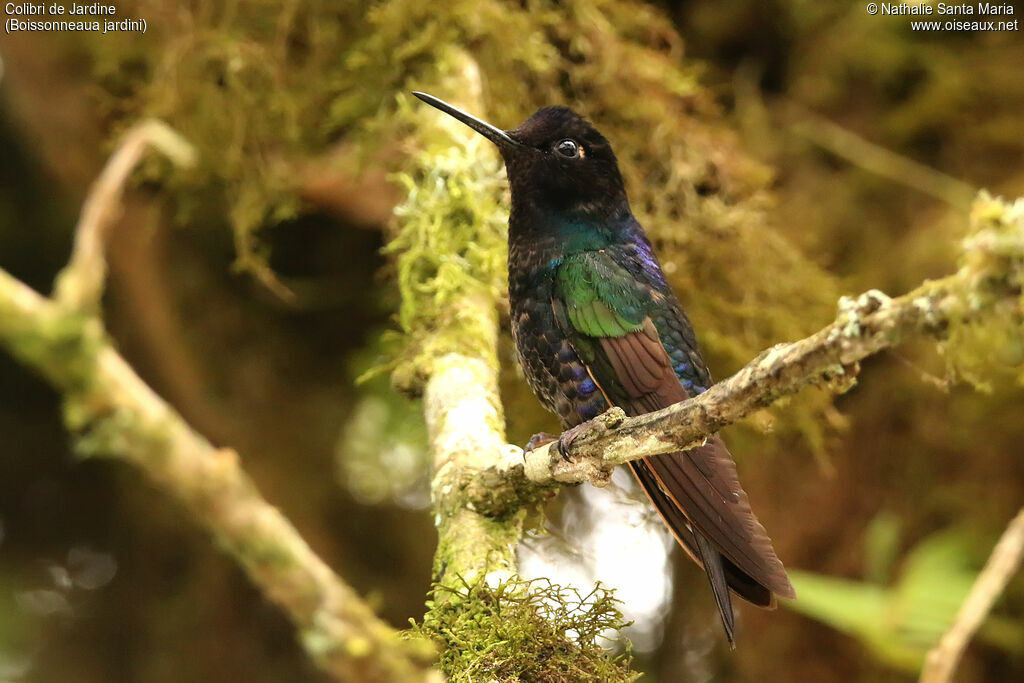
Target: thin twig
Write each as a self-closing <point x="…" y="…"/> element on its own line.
<point x="80" y="284"/>
<point x="879" y="160"/>
<point x="1002" y="564"/>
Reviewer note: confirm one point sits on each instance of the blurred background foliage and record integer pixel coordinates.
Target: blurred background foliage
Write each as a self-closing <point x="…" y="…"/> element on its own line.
<point x="252" y="292"/>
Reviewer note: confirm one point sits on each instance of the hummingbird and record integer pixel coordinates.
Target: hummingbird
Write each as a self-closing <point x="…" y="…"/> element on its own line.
<point x="597" y="325"/>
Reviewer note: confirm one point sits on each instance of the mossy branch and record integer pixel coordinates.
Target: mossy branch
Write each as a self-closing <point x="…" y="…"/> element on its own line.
<point x="114" y="413"/>
<point x="450" y="247"/>
<point x="985" y="291"/>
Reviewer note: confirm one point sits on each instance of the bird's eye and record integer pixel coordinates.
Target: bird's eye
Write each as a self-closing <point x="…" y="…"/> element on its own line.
<point x="569" y="149"/>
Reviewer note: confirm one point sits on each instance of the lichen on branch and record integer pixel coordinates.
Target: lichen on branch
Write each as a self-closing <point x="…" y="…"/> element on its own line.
<point x="983" y="300"/>
<point x="450" y="249"/>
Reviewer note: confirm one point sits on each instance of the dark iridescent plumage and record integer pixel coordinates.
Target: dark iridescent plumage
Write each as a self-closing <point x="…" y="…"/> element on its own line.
<point x="596" y="325"/>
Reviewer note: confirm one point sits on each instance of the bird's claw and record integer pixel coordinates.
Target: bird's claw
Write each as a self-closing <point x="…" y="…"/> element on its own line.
<point x="565" y="440"/>
<point x="537" y="440"/>
<point x="562" y="441"/>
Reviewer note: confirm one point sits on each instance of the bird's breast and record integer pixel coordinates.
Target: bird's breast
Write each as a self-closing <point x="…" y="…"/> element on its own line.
<point x="554" y="371"/>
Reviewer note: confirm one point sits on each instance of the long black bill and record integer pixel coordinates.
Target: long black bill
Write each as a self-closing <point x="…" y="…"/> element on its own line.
<point x="492" y="133"/>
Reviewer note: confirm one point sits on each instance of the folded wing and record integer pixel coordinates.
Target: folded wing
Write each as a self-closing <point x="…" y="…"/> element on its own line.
<point x="605" y="314"/>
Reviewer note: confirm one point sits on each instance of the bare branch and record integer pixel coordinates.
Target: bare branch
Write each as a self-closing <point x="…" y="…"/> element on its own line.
<point x="1002" y="564"/>
<point x="872" y="322"/>
<point x="116" y="414"/>
<point x="879" y="160"/>
<point x="80" y="284"/>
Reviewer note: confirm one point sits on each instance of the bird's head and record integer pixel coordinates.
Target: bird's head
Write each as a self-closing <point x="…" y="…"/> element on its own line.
<point x="556" y="161"/>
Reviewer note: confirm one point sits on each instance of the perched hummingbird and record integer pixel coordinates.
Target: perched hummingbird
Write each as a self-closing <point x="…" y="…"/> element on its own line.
<point x="596" y="325"/>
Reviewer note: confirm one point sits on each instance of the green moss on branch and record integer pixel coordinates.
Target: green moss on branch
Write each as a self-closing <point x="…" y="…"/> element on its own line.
<point x="519" y="631"/>
<point x="450" y="252"/>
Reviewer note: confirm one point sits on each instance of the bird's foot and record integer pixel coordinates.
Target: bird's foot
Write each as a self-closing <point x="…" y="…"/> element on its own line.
<point x="537" y="440"/>
<point x="565" y="440"/>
